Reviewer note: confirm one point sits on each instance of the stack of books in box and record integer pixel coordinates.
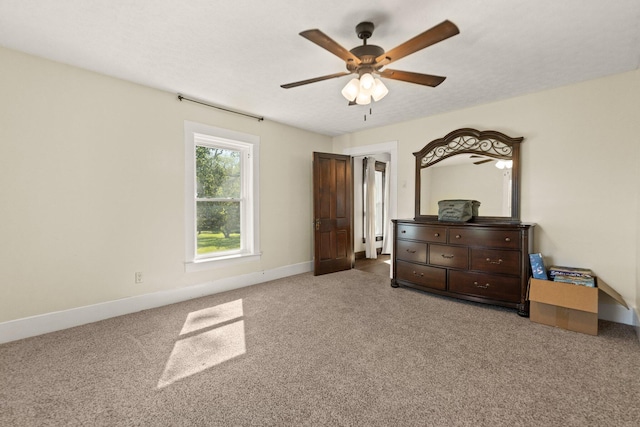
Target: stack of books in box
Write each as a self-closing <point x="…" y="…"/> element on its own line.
<point x="577" y="276"/>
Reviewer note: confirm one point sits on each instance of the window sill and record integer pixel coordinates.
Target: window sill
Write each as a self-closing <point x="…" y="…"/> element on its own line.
<point x="211" y="263"/>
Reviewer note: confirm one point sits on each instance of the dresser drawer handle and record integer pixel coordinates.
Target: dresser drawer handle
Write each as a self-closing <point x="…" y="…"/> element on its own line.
<point x="436" y="235"/>
<point x="403" y="231"/>
<point x="447" y="256"/>
<point x="478" y="285"/>
<point x="458" y="236"/>
<point x="507" y="239"/>
<point x="499" y="261"/>
<point x="416" y="274"/>
<point x="411" y="251"/>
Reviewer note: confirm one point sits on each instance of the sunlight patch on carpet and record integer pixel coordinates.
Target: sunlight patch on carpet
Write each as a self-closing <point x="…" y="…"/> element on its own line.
<point x="212" y="316"/>
<point x="215" y="345"/>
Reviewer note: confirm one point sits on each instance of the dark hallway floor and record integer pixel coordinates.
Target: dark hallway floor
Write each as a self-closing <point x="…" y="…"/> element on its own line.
<point x="380" y="265"/>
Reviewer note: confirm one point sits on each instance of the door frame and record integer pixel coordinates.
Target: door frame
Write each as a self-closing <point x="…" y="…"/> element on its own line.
<point x="386" y="147"/>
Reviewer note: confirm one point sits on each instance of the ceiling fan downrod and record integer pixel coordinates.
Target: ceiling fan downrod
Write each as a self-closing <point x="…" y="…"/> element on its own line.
<point x="366" y="53"/>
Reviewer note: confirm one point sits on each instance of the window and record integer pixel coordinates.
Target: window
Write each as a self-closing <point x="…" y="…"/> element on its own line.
<point x="221" y="195"/>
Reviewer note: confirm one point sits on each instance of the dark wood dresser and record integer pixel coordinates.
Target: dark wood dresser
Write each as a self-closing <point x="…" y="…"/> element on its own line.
<point x="482" y="262"/>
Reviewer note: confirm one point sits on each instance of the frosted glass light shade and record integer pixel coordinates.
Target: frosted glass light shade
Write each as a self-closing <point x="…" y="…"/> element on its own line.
<point x="379" y="91"/>
<point x="363" y="99"/>
<point x="350" y="91"/>
<point x="366" y="82"/>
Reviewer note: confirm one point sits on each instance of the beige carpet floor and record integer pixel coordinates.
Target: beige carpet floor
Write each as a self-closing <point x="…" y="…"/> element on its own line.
<point x="343" y="349"/>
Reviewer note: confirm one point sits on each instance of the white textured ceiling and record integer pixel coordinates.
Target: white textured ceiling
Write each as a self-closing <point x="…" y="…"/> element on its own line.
<point x="237" y="53"/>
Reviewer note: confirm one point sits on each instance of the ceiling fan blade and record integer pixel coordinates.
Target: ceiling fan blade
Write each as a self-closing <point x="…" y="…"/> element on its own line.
<point x="479" y="162"/>
<point x="326" y="42"/>
<point x="317" y="79"/>
<point x="418" y="78"/>
<point x="440" y="32"/>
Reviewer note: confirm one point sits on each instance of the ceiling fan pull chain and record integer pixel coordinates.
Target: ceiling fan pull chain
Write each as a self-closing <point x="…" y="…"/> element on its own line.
<point x="365" y="114"/>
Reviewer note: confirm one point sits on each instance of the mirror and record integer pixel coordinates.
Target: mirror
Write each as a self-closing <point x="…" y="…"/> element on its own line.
<point x="474" y="165"/>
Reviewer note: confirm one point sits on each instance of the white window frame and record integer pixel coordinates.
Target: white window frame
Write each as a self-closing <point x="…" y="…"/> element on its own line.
<point x="197" y="134"/>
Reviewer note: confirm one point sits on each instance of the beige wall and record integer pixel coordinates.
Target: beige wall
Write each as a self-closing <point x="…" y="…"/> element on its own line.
<point x="579" y="169"/>
<point x="92" y="182"/>
<point x="92" y="188"/>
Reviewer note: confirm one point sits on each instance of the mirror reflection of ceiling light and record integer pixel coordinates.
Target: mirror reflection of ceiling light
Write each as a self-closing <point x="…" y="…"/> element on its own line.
<point x="504" y="164"/>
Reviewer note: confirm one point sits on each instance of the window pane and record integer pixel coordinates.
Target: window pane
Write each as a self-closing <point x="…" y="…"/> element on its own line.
<point x="218" y="226"/>
<point x="217" y="172"/>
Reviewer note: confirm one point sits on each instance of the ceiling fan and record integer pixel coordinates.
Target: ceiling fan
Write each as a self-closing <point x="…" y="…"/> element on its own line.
<point x="484" y="159"/>
<point x="368" y="60"/>
<point x="500" y="163"/>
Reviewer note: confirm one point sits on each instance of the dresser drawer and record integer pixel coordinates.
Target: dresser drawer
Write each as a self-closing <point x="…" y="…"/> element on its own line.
<point x="411" y="251"/>
<point x="504" y="239"/>
<point x="485" y="285"/>
<point x="430" y="277"/>
<point x="422" y="232"/>
<point x="449" y="256"/>
<point x="495" y="261"/>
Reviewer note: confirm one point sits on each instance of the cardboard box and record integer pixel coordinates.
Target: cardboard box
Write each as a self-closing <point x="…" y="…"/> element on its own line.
<point x="568" y="306"/>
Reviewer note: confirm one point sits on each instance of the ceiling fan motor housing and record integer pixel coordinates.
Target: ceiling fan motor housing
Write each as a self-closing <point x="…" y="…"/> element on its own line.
<point x="367" y="53"/>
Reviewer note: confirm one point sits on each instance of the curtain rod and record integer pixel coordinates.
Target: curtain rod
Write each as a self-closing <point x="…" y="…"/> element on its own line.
<point x="258" y="118"/>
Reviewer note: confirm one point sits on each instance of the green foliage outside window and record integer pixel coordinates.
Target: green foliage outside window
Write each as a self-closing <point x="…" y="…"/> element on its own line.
<point x="218" y="181"/>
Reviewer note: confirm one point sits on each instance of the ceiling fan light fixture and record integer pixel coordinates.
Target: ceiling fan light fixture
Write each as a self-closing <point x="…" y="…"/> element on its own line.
<point x="379" y="91"/>
<point x="351" y="90"/>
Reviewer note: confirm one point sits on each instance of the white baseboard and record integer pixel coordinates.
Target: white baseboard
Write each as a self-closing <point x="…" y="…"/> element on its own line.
<point x="50" y="322"/>
<point x="617" y="313"/>
<point x="56" y="321"/>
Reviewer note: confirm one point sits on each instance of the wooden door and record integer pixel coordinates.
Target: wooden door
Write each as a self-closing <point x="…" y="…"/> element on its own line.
<point x="333" y="213"/>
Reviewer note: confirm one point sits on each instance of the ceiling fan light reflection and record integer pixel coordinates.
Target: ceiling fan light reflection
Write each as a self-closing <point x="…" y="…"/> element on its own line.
<point x="350" y="91"/>
<point x="502" y="164"/>
<point x="380" y="90"/>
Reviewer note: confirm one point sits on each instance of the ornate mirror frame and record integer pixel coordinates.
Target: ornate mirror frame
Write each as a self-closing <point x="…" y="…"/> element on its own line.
<point x="489" y="143"/>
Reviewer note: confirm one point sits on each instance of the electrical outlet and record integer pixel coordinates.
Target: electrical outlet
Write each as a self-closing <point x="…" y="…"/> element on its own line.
<point x="138" y="276"/>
